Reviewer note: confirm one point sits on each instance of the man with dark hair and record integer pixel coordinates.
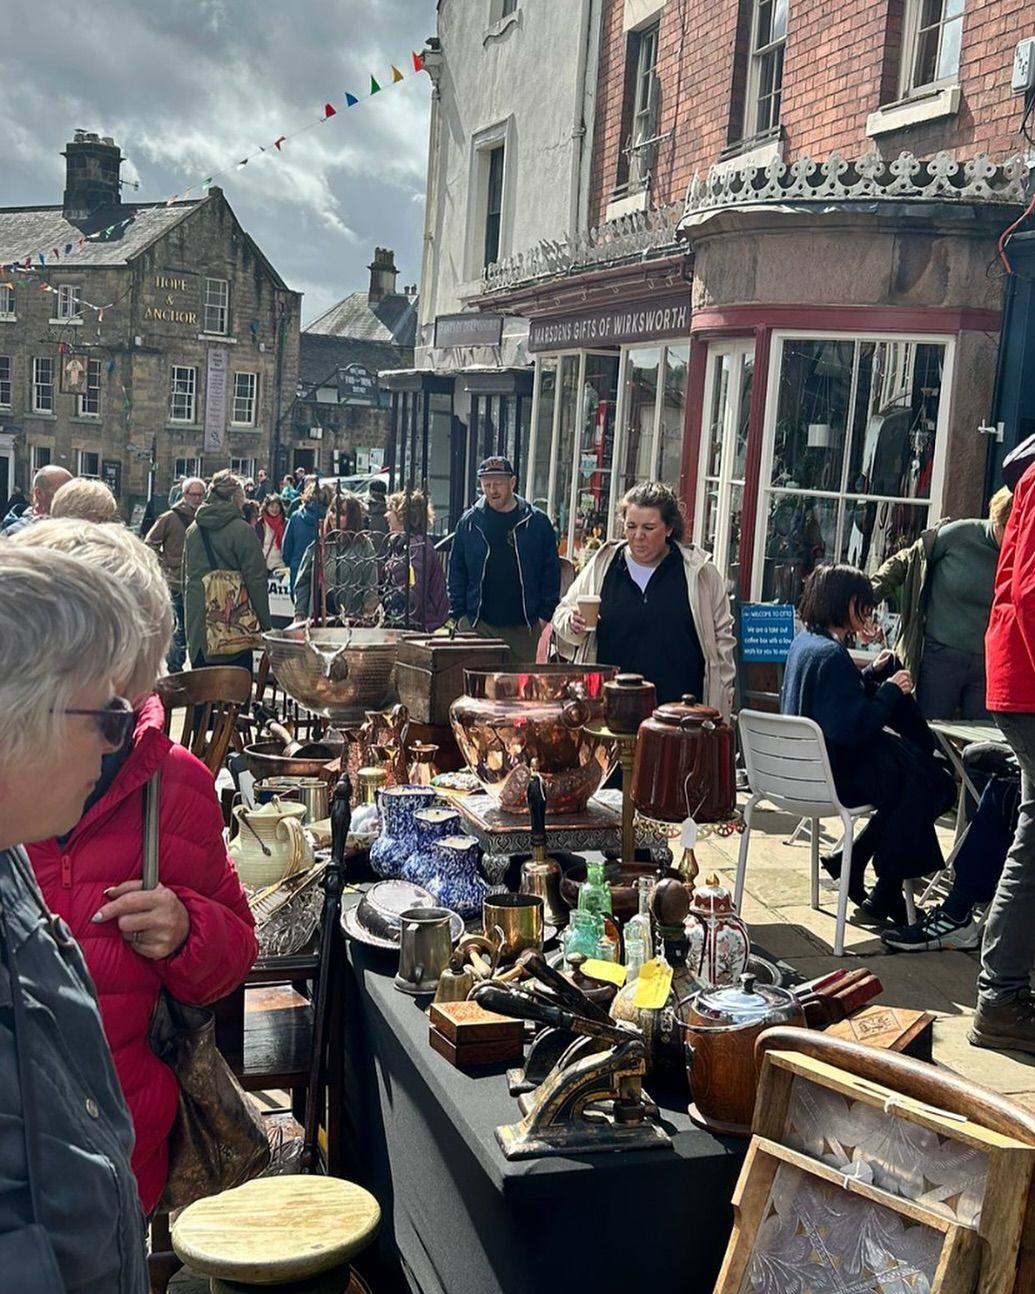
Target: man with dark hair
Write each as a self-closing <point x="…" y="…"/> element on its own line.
<point x="504" y="571"/>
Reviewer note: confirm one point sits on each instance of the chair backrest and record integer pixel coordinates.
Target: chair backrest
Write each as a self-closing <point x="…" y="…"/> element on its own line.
<point x="787" y="762"/>
<point x="211" y="699"/>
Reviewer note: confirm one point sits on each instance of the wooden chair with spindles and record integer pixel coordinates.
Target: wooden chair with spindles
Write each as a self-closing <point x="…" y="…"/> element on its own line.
<point x="211" y="699"/>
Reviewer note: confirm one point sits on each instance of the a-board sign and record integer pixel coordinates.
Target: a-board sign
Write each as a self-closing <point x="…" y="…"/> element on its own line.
<point x="766" y="631"/>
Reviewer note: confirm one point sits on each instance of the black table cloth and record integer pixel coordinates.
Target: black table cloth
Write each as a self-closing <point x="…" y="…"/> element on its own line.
<point x="459" y="1218"/>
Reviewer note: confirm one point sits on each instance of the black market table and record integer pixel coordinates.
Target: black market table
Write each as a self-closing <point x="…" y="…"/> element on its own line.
<point x="954" y="738"/>
<point x="459" y="1218"/>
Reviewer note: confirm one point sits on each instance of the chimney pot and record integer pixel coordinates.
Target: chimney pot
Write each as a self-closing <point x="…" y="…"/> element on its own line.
<point x="383" y="275"/>
<point x="92" y="169"/>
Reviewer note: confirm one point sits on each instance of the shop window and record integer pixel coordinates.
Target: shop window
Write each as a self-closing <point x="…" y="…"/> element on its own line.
<point x="5" y="381"/>
<point x="6" y="301"/>
<point x="90" y="400"/>
<point x="931" y="39"/>
<point x="537" y="485"/>
<point x="672" y="413"/>
<point x="246" y="387"/>
<point x="765" y="71"/>
<point x="183" y="390"/>
<point x="42" y="384"/>
<point x="852" y="455"/>
<point x="593" y="473"/>
<point x="653" y="406"/>
<point x="69" y="303"/>
<point x="640" y="124"/>
<point x="729" y="380"/>
<point x="217" y="306"/>
<point x="89" y="463"/>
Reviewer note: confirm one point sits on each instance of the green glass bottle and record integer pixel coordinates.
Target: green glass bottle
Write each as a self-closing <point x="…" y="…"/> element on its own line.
<point x="594" y="892"/>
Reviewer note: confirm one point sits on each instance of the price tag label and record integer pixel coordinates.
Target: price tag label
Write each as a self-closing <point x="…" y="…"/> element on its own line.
<point x="688" y="833"/>
<point x="653" y="985"/>
<point x="608" y="972"/>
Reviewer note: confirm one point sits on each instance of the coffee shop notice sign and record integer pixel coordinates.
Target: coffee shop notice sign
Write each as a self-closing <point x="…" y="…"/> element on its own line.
<point x="766" y="631"/>
<point x="215" y="400"/>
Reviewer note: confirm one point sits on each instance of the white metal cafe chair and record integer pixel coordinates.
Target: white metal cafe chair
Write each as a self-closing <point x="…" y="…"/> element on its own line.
<point x="787" y="765"/>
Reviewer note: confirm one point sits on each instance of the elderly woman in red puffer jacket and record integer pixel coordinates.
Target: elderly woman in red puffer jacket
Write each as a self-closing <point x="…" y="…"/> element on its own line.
<point x="193" y="934"/>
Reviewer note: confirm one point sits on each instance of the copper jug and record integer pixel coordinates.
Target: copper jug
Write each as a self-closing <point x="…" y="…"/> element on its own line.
<point x="685" y="765"/>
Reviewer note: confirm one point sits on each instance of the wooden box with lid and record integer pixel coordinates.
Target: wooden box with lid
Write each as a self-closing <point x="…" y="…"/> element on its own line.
<point x="429" y="672"/>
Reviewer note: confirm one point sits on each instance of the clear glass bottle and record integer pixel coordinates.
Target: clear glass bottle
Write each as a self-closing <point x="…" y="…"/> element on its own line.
<point x="366" y="816"/>
<point x="638" y="933"/>
<point x="594" y="892"/>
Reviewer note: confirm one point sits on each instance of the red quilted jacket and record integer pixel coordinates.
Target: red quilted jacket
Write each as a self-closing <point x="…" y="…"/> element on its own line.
<point x="104" y="850"/>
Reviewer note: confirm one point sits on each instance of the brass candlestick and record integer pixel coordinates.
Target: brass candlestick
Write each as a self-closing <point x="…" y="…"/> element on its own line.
<point x="626" y="743"/>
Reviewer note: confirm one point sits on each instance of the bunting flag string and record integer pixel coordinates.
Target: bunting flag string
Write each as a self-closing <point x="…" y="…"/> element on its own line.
<point x="28" y="267"/>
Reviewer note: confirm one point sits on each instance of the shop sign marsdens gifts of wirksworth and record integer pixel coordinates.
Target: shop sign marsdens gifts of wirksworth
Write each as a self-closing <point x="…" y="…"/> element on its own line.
<point x="645" y="320"/>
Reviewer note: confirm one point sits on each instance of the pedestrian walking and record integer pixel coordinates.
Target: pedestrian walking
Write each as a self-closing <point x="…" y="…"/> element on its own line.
<point x="504" y="573"/>
<point x="71" y="1212"/>
<point x="270" y="528"/>
<point x="166" y="538"/>
<point x="304" y="523"/>
<point x="414" y="583"/>
<point x="340" y="567"/>
<point x="942" y="585"/>
<point x="263" y="485"/>
<point x="1005" y="1016"/>
<point x="45" y="484"/>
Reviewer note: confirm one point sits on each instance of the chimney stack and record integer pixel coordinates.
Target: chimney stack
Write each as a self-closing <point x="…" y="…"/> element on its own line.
<point x="382" y="275"/>
<point x="92" y="166"/>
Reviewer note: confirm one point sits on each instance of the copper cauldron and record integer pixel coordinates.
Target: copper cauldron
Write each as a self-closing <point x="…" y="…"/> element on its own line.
<point x="507" y="719"/>
<point x="685" y="764"/>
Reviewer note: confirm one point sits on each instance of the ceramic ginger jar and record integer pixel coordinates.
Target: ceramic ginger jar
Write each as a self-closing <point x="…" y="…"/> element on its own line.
<point x="719" y="939"/>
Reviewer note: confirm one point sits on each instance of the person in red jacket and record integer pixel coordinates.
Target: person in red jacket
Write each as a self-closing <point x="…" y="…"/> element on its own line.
<point x="1005" y="1016"/>
<point x="194" y="934"/>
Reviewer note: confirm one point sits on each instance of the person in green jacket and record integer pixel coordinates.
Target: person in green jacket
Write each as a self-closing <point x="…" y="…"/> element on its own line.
<point x="234" y="547"/>
<point x="942" y="585"/>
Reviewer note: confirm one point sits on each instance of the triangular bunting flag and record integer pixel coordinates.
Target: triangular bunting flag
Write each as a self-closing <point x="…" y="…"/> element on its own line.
<point x="350" y="100"/>
<point x="42" y="259"/>
<point x="418" y="62"/>
<point x="278" y="141"/>
<point x="329" y="110"/>
<point x="56" y="253"/>
<point x="206" y="184"/>
<point x="396" y="75"/>
<point x="243" y="162"/>
<point x="374" y="87"/>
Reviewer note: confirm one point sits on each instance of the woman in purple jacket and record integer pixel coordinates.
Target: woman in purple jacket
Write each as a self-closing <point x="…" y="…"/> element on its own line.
<point x="411" y="565"/>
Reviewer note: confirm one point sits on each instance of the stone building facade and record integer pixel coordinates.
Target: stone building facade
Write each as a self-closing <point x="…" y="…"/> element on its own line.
<point x="149" y="342"/>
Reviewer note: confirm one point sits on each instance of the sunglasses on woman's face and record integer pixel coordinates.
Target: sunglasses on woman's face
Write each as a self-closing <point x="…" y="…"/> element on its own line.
<point x="115" y="721"/>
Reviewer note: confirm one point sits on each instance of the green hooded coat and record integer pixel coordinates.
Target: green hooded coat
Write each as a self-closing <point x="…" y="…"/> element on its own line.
<point x="236" y="547"/>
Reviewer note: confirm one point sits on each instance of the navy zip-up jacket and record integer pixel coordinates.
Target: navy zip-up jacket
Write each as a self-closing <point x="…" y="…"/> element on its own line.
<point x="538" y="566"/>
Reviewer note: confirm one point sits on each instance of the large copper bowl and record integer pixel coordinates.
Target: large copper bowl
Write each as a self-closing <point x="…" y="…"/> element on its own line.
<point x="338" y="673"/>
<point x="507" y="719"/>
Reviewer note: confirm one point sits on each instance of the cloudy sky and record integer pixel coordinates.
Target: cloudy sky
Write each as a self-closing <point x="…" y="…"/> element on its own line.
<point x="188" y="87"/>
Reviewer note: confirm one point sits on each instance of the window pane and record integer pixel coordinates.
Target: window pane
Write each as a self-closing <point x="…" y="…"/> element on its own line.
<point x="596" y="447"/>
<point x="673" y="408"/>
<point x="779" y="20"/>
<point x="641" y="390"/>
<point x="540" y="486"/>
<point x="721" y="368"/>
<point x="732" y="567"/>
<point x="874" y="531"/>
<point x="764" y="27"/>
<point x="949" y="51"/>
<point x="710" y="504"/>
<point x="815" y="388"/>
<point x="566" y="441"/>
<point x="801" y="534"/>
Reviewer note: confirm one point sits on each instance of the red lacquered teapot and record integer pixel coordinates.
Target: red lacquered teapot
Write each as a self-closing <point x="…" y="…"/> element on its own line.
<point x="685" y="764"/>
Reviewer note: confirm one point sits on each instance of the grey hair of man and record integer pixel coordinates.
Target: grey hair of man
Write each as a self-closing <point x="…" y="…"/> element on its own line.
<point x="64" y="626"/>
<point x="119" y="552"/>
<point x="189" y="481"/>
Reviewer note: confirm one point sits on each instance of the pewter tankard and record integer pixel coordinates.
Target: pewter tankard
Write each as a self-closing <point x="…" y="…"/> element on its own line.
<point x="424" y="949"/>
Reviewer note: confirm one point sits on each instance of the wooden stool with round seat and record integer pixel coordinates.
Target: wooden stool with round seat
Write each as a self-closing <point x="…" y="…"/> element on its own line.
<point x="282" y="1234"/>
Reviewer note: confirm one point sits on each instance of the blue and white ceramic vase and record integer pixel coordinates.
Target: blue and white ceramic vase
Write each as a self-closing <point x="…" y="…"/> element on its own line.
<point x="430" y="826"/>
<point x="458" y="883"/>
<point x="398" y="838"/>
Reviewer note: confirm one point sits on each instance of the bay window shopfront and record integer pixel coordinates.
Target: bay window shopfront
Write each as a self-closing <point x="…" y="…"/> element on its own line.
<point x="839" y="457"/>
<point x="604" y="419"/>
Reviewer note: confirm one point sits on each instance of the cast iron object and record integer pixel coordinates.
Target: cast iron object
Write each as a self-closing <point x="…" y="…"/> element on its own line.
<point x="621" y="877"/>
<point x="508" y="719"/>
<point x="721" y="1028"/>
<point x="337" y="673"/>
<point x="685" y="764"/>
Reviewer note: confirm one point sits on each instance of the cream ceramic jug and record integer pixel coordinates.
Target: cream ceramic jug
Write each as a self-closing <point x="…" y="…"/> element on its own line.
<point x="271" y="843"/>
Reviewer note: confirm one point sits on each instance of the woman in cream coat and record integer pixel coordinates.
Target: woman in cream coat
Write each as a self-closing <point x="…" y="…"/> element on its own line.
<point x="664" y="610"/>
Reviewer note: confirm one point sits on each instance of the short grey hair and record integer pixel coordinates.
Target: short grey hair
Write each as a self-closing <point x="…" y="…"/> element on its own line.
<point x="64" y="625"/>
<point x="188" y="481"/>
<point x="85" y="499"/>
<point x="119" y="552"/>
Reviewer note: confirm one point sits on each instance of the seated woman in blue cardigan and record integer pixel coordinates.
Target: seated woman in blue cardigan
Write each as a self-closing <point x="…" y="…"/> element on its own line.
<point x="881" y="749"/>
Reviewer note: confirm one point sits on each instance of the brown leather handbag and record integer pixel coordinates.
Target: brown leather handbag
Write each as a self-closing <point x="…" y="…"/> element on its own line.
<point x="217" y="1140"/>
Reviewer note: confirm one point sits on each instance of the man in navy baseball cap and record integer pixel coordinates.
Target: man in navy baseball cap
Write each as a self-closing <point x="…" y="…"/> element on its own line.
<point x="504" y="572"/>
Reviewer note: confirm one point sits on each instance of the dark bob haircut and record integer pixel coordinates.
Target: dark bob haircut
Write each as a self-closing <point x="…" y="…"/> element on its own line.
<point x="829" y="594"/>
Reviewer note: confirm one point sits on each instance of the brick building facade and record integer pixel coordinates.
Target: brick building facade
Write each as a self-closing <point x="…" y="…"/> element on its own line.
<point x="158" y="341"/>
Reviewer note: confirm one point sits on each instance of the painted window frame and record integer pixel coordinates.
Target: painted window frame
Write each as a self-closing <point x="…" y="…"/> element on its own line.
<point x="248" y="401"/>
<point x="188" y="394"/>
<point x="914" y="31"/>
<point x="43" y="403"/>
<point x="90" y="401"/>
<point x="187" y="467"/>
<point x="644" y="120"/>
<point x="215" y="306"/>
<point x="40" y="456"/>
<point x="6" y="394"/>
<point x="69" y="307"/>
<point x="243" y="467"/>
<point x="760" y="57"/>
<point x="8" y="301"/>
<point x="81" y="466"/>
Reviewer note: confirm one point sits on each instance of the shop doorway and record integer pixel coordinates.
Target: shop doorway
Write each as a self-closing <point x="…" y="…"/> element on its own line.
<point x="727" y="403"/>
<point x="305" y="459"/>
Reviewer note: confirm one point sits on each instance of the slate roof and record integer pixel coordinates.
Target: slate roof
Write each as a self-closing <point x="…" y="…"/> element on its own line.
<point x="24" y="231"/>
<point x="392" y="319"/>
<point x="320" y="356"/>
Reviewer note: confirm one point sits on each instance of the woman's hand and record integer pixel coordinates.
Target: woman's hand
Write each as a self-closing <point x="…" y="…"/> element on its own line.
<point x="883" y="660"/>
<point x="903" y="680"/>
<point x="577" y="625"/>
<point x="153" y="922"/>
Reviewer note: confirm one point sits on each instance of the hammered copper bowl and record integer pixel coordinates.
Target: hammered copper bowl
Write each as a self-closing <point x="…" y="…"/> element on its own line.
<point x="507" y="719"/>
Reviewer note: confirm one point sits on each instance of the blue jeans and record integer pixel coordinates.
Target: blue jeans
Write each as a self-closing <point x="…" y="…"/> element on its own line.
<point x="1008" y="947"/>
<point x="178" y="648"/>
